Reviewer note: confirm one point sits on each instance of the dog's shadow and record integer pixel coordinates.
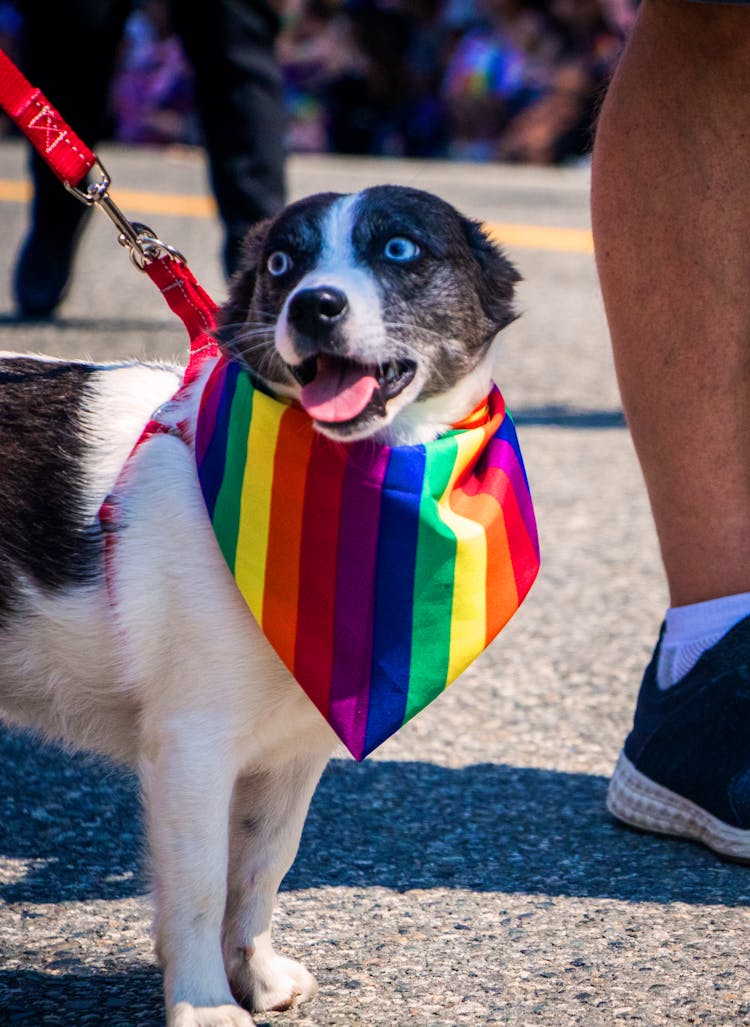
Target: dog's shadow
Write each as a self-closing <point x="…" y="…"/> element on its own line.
<point x="76" y="826"/>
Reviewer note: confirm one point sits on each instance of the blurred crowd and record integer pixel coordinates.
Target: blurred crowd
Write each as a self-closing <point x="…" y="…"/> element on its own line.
<point x="514" y="80"/>
<point x="510" y="80"/>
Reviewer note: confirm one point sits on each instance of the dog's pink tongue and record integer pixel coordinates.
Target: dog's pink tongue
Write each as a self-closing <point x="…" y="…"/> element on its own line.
<point x="338" y="392"/>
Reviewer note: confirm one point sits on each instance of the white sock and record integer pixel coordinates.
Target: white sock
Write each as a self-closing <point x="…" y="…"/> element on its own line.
<point x="691" y="630"/>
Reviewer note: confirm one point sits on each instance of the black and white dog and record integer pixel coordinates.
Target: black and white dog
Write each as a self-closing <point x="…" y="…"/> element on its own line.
<point x="377" y="312"/>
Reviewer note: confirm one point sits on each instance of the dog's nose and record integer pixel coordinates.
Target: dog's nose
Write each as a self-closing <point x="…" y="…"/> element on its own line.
<point x="314" y="311"/>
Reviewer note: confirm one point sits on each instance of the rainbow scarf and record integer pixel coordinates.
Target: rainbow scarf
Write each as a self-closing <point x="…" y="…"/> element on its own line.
<point x="377" y="573"/>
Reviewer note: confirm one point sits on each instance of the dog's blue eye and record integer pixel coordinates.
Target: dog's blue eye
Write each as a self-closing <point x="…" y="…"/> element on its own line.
<point x="401" y="250"/>
<point x="279" y="263"/>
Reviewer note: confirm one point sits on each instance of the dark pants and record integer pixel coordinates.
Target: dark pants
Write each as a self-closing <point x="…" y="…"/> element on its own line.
<point x="69" y="50"/>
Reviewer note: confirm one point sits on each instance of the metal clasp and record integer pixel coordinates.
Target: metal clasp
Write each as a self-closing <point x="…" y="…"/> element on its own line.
<point x="142" y="242"/>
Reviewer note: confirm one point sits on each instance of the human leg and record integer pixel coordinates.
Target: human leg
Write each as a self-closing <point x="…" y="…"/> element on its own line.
<point x="671" y="223"/>
<point x="59" y="58"/>
<point x="239" y="94"/>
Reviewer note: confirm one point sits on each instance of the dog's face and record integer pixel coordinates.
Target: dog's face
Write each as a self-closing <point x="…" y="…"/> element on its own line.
<point x="362" y="306"/>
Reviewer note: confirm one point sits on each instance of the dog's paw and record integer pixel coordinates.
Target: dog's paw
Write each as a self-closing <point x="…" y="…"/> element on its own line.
<point x="271" y="984"/>
<point x="185" y="1015"/>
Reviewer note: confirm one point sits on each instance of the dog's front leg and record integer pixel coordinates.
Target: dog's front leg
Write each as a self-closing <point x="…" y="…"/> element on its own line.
<point x="187" y="774"/>
<point x="268" y="814"/>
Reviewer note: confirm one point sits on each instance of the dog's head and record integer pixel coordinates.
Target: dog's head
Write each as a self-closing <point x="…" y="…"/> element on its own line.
<point x="375" y="311"/>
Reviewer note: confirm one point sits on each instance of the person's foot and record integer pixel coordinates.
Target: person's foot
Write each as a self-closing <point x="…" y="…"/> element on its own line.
<point x="43" y="271"/>
<point x="685" y="766"/>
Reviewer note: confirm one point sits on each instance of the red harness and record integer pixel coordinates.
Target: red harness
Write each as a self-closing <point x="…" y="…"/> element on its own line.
<point x="197" y="310"/>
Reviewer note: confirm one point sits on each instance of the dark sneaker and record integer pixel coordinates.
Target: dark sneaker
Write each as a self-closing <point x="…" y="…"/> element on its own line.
<point x="685" y="767"/>
<point x="42" y="273"/>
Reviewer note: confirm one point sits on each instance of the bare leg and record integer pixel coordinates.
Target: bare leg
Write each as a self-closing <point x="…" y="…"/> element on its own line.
<point x="671" y="224"/>
<point x="671" y="227"/>
<point x="268" y="812"/>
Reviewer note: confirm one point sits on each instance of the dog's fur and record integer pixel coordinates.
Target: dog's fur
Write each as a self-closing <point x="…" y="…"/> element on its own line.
<point x="162" y="665"/>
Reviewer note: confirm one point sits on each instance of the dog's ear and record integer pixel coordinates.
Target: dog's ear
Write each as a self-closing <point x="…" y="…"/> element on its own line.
<point x="242" y="282"/>
<point x="498" y="275"/>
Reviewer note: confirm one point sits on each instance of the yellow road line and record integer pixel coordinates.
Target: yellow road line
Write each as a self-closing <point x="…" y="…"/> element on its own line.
<point x="132" y="201"/>
<point x="172" y="204"/>
<point x="542" y="237"/>
<point x="14" y="192"/>
<point x="137" y="202"/>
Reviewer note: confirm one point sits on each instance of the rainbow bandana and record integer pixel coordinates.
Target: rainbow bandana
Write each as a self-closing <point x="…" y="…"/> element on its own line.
<point x="377" y="573"/>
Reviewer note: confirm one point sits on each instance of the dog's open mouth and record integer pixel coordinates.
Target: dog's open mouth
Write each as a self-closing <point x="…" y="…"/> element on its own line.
<point x="336" y="390"/>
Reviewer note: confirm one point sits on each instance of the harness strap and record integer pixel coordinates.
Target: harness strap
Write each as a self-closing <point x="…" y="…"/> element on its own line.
<point x="65" y="153"/>
<point x="192" y="304"/>
<point x="197" y="311"/>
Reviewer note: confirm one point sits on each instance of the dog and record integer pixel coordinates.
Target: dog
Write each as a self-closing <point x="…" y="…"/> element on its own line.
<point x="377" y="313"/>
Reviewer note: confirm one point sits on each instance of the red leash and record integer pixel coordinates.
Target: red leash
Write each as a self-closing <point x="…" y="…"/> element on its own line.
<point x="67" y="155"/>
<point x="72" y="161"/>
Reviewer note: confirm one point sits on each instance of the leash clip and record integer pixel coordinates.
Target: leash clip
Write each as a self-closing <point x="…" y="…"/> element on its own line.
<point x="142" y="242"/>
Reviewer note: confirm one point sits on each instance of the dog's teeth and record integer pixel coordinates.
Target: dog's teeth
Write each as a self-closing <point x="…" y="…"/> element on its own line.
<point x="389" y="373"/>
<point x="377" y="403"/>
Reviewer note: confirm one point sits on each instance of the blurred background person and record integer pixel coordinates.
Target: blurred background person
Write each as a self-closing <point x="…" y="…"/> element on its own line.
<point x="69" y="51"/>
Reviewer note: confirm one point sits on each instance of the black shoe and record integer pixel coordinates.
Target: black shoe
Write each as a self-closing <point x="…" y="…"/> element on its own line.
<point x="43" y="270"/>
<point x="685" y="767"/>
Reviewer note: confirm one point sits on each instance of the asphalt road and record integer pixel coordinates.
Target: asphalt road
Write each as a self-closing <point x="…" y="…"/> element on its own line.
<point x="467" y="873"/>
